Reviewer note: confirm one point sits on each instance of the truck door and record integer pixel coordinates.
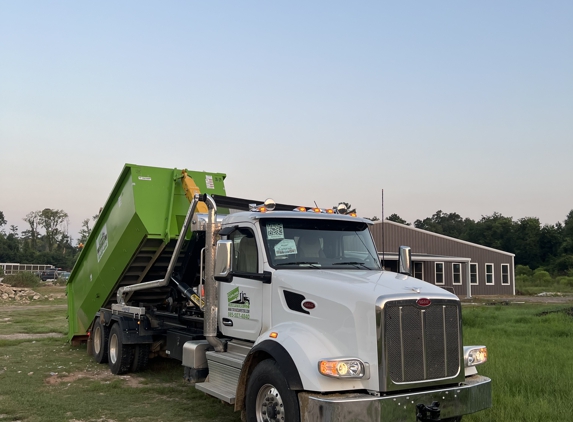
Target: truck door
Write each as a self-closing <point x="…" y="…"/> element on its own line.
<point x="241" y="300"/>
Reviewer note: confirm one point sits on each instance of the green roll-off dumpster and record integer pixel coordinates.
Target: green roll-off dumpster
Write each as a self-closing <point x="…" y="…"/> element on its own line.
<point x="135" y="231"/>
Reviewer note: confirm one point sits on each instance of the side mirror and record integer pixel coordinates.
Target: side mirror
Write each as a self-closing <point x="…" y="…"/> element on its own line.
<point x="223" y="264"/>
<point x="404" y="260"/>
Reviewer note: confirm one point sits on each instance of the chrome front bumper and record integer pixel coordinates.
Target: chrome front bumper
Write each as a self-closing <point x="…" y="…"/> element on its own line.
<point x="471" y="396"/>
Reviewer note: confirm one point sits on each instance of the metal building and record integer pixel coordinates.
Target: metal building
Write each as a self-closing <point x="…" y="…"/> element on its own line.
<point x="462" y="267"/>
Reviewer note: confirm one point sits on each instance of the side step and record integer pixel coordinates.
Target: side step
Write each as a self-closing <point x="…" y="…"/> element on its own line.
<point x="224" y="371"/>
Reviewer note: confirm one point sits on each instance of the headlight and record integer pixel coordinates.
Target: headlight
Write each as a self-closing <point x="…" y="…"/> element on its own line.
<point x="474" y="355"/>
<point x="342" y="368"/>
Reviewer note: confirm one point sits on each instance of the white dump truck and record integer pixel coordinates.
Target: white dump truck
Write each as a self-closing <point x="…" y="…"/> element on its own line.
<point x="282" y="311"/>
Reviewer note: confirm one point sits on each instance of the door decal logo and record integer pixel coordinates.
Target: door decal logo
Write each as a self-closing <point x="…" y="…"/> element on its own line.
<point x="239" y="305"/>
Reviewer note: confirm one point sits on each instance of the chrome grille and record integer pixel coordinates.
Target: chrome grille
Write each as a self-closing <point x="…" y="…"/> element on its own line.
<point x="421" y="343"/>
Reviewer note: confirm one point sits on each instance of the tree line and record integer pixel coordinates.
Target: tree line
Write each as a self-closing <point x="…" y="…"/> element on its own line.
<point x="46" y="240"/>
<point x="548" y="246"/>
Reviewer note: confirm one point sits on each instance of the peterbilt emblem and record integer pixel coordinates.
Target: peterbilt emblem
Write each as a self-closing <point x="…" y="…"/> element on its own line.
<point x="309" y="304"/>
<point x="423" y="302"/>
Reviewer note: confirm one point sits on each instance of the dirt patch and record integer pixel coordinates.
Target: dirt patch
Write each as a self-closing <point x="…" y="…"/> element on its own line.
<point x="103" y="376"/>
<point x="29" y="336"/>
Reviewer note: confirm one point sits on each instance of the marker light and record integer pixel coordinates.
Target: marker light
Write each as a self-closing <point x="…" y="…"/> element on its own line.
<point x="262" y="208"/>
<point x="352" y="214"/>
<point x="474" y="355"/>
<point x="300" y="209"/>
<point x="273" y="334"/>
<point x="329" y="211"/>
<point x="316" y="210"/>
<point x="342" y="368"/>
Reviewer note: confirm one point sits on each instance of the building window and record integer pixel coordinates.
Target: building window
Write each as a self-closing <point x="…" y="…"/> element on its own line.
<point x="474" y="274"/>
<point x="504" y="273"/>
<point x="439" y="266"/>
<point x="489" y="274"/>
<point x="457" y="273"/>
<point x="419" y="270"/>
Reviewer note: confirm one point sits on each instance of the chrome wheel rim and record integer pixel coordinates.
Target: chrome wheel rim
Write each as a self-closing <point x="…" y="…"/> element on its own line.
<point x="269" y="406"/>
<point x="97" y="339"/>
<point x="113" y="345"/>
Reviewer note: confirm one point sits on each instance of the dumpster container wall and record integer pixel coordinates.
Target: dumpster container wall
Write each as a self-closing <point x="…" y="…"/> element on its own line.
<point x="146" y="203"/>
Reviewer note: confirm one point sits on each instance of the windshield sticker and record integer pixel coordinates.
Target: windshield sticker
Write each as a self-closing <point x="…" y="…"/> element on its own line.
<point x="238" y="304"/>
<point x="285" y="247"/>
<point x="275" y="231"/>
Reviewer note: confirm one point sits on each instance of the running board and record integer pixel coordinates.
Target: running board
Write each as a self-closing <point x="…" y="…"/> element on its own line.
<point x="224" y="372"/>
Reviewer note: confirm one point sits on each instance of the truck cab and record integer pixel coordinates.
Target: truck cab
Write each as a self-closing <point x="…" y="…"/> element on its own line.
<point x="305" y="290"/>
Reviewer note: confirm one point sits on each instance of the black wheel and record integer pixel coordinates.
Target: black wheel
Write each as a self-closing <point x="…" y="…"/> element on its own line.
<point x="100" y="338"/>
<point x="140" y="357"/>
<point x="268" y="396"/>
<point x="120" y="356"/>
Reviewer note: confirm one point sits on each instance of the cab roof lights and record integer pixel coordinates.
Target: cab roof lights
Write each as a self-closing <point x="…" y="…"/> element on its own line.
<point x="269" y="205"/>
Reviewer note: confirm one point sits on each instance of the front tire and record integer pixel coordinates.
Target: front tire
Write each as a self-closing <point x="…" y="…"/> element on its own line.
<point x="269" y="398"/>
<point x="120" y="355"/>
<point x="100" y="338"/>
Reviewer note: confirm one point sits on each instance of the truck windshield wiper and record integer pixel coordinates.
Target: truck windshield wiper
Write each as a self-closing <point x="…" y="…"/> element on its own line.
<point x="311" y="264"/>
<point x="356" y="264"/>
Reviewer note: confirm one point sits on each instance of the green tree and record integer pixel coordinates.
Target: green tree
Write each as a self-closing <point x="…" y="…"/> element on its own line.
<point x="567" y="246"/>
<point x="550" y="241"/>
<point x="526" y="239"/>
<point x="495" y="231"/>
<point x="85" y="231"/>
<point x="397" y="219"/>
<point x="2" y="220"/>
<point x="33" y="220"/>
<point x="54" y="223"/>
<point x="448" y="224"/>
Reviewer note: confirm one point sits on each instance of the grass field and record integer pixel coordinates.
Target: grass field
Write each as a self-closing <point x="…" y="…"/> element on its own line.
<point x="530" y="349"/>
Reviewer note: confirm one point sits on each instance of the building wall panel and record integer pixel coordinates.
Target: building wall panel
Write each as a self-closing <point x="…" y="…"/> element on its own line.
<point x="389" y="236"/>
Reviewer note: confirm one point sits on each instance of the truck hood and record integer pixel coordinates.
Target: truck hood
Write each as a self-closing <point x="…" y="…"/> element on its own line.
<point x="359" y="285"/>
<point x="341" y="320"/>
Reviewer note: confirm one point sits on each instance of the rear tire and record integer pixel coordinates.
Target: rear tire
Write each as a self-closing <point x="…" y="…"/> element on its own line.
<point x="269" y="397"/>
<point x="140" y="357"/>
<point x="100" y="338"/>
<point x="120" y="356"/>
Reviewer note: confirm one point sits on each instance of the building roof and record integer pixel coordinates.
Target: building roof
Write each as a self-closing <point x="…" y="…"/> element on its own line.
<point x="392" y="256"/>
<point x="453" y="239"/>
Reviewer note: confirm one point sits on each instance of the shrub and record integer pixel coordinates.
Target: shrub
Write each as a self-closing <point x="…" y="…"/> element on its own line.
<point x="24" y="279"/>
<point x="565" y="281"/>
<point x="542" y="277"/>
<point x="523" y="270"/>
<point x="523" y="279"/>
<point x="1" y="272"/>
<point x="60" y="282"/>
<point x="563" y="264"/>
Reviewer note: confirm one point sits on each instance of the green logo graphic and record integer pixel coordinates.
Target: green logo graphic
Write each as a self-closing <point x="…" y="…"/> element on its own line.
<point x="233" y="295"/>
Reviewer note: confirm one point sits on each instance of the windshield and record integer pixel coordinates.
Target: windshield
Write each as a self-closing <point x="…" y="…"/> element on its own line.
<point x="312" y="243"/>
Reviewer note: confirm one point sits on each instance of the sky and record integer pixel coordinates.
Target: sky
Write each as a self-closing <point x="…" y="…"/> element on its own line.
<point x="459" y="106"/>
